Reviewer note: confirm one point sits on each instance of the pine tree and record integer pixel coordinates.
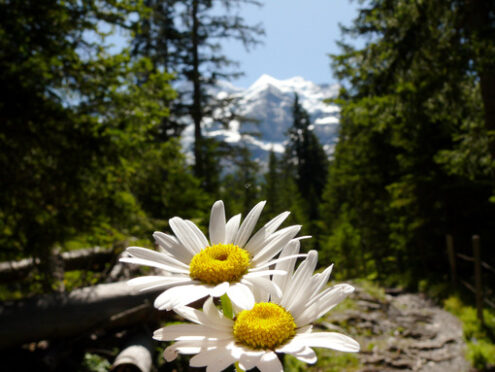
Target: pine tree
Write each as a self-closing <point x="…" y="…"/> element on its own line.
<point x="158" y="38"/>
<point x="272" y="186"/>
<point x="194" y="55"/>
<point x="73" y="117"/>
<point x="411" y="163"/>
<point x="241" y="186"/>
<point x="305" y="152"/>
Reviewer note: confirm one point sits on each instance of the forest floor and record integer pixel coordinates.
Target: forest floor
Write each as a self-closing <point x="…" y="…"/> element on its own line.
<point x="401" y="332"/>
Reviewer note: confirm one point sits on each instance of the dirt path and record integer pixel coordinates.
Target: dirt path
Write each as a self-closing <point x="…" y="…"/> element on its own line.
<point x="402" y="333"/>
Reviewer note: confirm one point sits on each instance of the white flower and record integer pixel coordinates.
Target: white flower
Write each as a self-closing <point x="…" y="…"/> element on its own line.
<point x="232" y="262"/>
<point x="280" y="325"/>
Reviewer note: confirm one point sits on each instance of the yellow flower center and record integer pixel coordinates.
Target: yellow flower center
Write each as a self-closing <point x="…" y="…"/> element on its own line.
<point x="219" y="263"/>
<point x="265" y="326"/>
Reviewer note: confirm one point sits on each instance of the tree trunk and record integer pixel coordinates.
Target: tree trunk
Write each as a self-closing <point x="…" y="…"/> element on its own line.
<point x="196" y="105"/>
<point x="73" y="260"/>
<point x="137" y="355"/>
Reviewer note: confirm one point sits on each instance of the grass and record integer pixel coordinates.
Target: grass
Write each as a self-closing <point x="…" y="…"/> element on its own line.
<point x="328" y="361"/>
<point x="479" y="338"/>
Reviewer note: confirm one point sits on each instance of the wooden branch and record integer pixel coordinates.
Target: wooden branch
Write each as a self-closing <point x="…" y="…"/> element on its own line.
<point x="468" y="286"/>
<point x="137" y="354"/>
<point x="464" y="257"/>
<point x="487" y="267"/>
<point x="471" y="259"/>
<point x="59" y="315"/>
<point x="72" y="260"/>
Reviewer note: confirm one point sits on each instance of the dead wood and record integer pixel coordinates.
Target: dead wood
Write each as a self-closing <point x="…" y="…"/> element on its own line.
<point x="137" y="355"/>
<point x="61" y="315"/>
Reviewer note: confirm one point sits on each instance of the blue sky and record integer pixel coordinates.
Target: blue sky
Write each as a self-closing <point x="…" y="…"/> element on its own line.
<point x="299" y="36"/>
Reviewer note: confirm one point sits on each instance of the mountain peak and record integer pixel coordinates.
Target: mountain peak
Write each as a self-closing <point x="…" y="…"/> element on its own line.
<point x="263" y="81"/>
<point x="292" y="83"/>
<point x="269" y="101"/>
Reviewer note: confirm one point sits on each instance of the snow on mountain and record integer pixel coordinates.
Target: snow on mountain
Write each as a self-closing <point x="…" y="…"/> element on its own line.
<point x="269" y="101"/>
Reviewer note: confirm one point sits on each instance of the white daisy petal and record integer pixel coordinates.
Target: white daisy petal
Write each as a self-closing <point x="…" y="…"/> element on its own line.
<point x="158" y="265"/>
<point x="215" y="360"/>
<point x="317" y="308"/>
<point x="290" y="250"/>
<point x="248" y="224"/>
<point x="269" y="362"/>
<point x="254" y="274"/>
<point x="280" y="259"/>
<point x="290" y="348"/>
<point x="231" y="229"/>
<point x="200" y="237"/>
<point x="151" y="255"/>
<point x="189" y="332"/>
<point x="180" y="296"/>
<point x="307" y="355"/>
<point x="247" y="361"/>
<point x="172" y="245"/>
<point x="303" y="237"/>
<point x="185" y="347"/>
<point x="203" y="317"/>
<point x="275" y="223"/>
<point x="217" y="317"/>
<point x="260" y="294"/>
<point x="299" y="282"/>
<point x="241" y="296"/>
<point x="322" y="279"/>
<point x="219" y="289"/>
<point x="266" y="284"/>
<point x="185" y="235"/>
<point x="275" y="245"/>
<point x="329" y="340"/>
<point x="258" y="240"/>
<point x="146" y="283"/>
<point x="217" y="223"/>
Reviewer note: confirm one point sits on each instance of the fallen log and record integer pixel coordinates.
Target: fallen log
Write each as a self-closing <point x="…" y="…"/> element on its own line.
<point x="137" y="355"/>
<point x="59" y="315"/>
<point x="72" y="260"/>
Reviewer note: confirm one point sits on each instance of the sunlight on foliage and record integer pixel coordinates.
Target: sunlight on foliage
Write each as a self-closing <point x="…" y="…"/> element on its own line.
<point x="479" y="339"/>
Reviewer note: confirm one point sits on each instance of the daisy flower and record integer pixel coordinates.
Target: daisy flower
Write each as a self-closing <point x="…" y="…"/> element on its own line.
<point x="233" y="262"/>
<point x="280" y="324"/>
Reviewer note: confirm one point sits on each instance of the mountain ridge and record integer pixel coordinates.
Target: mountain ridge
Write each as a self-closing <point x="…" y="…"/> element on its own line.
<point x="269" y="102"/>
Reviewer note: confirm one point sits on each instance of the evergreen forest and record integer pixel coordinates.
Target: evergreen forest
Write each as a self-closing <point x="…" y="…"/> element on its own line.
<point x="91" y="157"/>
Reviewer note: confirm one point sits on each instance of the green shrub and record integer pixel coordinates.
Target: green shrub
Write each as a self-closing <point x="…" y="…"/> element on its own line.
<point x="94" y="363"/>
<point x="481" y="354"/>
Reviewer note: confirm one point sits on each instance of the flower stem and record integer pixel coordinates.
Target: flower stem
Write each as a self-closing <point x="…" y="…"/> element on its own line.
<point x="237" y="368"/>
<point x="227" y="306"/>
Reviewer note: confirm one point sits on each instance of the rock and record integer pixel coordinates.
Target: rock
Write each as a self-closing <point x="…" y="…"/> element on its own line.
<point x="404" y="332"/>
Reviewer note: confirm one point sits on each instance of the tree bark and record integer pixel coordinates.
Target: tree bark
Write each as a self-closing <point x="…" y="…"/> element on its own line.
<point x="59" y="315"/>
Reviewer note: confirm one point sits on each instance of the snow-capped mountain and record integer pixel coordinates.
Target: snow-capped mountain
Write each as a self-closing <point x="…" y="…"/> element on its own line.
<point x="269" y="101"/>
